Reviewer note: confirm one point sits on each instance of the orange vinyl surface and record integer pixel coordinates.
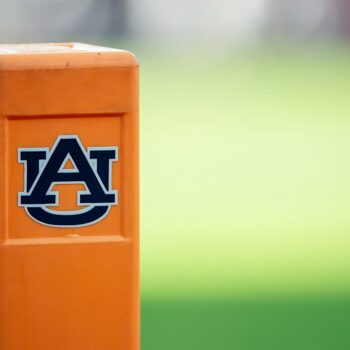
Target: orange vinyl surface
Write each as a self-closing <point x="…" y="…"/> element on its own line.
<point x="69" y="288"/>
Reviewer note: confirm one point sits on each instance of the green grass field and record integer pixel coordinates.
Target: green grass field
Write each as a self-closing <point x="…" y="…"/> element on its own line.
<point x="245" y="199"/>
<point x="288" y="324"/>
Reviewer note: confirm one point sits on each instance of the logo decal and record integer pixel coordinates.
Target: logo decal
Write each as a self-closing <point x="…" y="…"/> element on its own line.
<point x="44" y="168"/>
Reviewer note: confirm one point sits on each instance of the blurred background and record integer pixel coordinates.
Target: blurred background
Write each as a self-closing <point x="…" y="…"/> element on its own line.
<point x="245" y="162"/>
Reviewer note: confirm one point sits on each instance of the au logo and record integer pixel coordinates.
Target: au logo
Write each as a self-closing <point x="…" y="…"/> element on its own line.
<point x="44" y="168"/>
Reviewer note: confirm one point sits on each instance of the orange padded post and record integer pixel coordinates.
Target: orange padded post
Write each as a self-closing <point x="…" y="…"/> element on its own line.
<point x="69" y="249"/>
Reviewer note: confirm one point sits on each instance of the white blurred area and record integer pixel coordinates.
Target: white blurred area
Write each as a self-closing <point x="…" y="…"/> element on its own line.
<point x="200" y="21"/>
<point x="223" y="22"/>
<point x="231" y="22"/>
